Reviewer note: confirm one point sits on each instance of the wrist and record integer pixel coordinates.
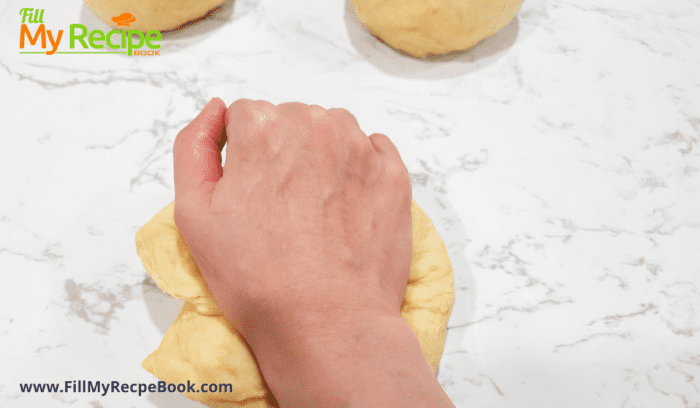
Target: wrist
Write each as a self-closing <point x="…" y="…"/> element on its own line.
<point x="302" y="313"/>
<point x="359" y="359"/>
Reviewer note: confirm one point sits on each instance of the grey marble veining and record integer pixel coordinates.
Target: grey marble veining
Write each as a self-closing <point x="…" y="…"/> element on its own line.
<point x="558" y="159"/>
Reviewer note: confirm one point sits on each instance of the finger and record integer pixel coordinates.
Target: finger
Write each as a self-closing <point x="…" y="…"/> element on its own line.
<point x="352" y="133"/>
<point x="197" y="155"/>
<point x="384" y="146"/>
<point x="349" y="124"/>
<point x="247" y="122"/>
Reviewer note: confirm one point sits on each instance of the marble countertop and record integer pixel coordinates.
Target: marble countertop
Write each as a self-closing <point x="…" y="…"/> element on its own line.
<point x="559" y="160"/>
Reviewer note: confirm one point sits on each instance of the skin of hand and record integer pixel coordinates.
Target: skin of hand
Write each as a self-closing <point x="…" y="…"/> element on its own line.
<point x="308" y="211"/>
<point x="304" y="238"/>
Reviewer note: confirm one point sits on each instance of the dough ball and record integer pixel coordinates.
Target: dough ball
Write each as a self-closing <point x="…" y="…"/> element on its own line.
<point x="201" y="345"/>
<point x="162" y="15"/>
<point x="422" y="27"/>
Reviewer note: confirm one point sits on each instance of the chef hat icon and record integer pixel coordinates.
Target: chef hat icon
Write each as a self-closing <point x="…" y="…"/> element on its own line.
<point x="124" y="19"/>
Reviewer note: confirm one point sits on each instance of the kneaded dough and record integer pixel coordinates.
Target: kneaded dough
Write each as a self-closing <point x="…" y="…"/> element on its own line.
<point x="202" y="346"/>
<point x="162" y="15"/>
<point x="422" y="27"/>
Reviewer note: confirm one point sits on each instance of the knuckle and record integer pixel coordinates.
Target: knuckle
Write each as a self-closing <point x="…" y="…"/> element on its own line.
<point x="317" y="110"/>
<point x="320" y="117"/>
<point x="339" y="111"/>
<point x="253" y="110"/>
<point x="291" y="109"/>
<point x="397" y="173"/>
<point x="240" y="105"/>
<point x="361" y="145"/>
<point x="262" y="112"/>
<point x="291" y="106"/>
<point x="344" y="115"/>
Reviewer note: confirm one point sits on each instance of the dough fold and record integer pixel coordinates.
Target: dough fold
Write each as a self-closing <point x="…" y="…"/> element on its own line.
<point x="201" y="346"/>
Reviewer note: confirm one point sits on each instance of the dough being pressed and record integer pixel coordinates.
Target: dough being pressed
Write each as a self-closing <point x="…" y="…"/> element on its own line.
<point x="422" y="27"/>
<point x="201" y="346"/>
<point x="162" y="15"/>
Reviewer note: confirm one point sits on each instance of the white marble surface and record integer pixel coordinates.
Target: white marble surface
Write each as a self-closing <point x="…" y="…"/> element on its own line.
<point x="559" y="160"/>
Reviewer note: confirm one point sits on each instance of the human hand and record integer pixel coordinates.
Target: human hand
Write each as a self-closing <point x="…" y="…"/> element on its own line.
<point x="308" y="213"/>
<point x="304" y="238"/>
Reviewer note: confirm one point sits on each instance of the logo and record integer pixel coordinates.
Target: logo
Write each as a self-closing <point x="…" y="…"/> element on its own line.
<point x="127" y="42"/>
<point x="124" y="19"/>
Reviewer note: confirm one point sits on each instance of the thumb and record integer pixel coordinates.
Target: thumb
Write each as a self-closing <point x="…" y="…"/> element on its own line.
<point x="197" y="156"/>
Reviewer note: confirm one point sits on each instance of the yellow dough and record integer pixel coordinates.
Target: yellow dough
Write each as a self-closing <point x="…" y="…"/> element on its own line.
<point x="422" y="27"/>
<point x="201" y="345"/>
<point x="148" y="15"/>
